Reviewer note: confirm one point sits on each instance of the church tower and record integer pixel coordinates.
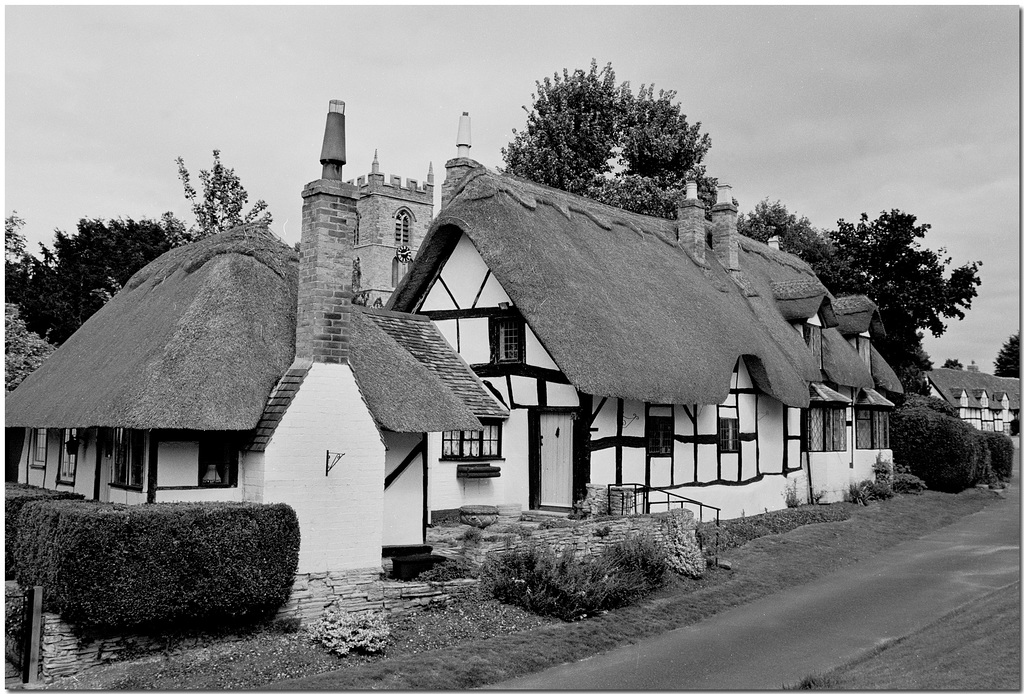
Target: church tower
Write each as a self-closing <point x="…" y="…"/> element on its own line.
<point x="393" y="219"/>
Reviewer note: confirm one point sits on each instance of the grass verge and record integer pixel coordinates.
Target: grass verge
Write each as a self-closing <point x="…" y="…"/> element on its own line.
<point x="976" y="647"/>
<point x="762" y="567"/>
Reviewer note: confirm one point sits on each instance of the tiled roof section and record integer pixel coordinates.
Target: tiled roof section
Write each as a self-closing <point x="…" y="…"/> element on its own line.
<point x="421" y="338"/>
<point x="277" y="404"/>
<point x="957" y="381"/>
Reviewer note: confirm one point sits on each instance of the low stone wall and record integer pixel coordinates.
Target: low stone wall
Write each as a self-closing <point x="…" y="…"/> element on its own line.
<point x="66" y="652"/>
<point x="674" y="529"/>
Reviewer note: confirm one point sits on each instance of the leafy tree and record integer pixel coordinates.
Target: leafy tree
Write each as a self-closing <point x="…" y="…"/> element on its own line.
<point x="220" y="207"/>
<point x="1008" y="359"/>
<point x="883" y="259"/>
<point x="16" y="263"/>
<point x="24" y="351"/>
<point x="796" y="234"/>
<point x="953" y="364"/>
<point x="587" y="135"/>
<point x="83" y="270"/>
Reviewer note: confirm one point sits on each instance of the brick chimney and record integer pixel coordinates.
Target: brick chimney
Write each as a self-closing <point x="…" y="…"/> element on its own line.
<point x="724" y="235"/>
<point x="690" y="222"/>
<point x="322" y="329"/>
<point x="457" y="168"/>
<point x="973" y="367"/>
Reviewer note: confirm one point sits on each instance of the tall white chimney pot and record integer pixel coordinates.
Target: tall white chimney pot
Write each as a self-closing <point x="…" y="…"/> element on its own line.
<point x="465" y="140"/>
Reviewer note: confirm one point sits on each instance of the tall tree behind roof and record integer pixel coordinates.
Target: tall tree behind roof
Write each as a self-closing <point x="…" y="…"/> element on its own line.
<point x="24" y="351"/>
<point x="953" y="364"/>
<point x="1008" y="359"/>
<point x="914" y="287"/>
<point x="223" y="199"/>
<point x="587" y="135"/>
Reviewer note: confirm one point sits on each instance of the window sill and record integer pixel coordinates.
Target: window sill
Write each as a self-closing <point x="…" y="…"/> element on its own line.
<point x="64" y="483"/>
<point x="37" y="466"/>
<point x="185" y="487"/>
<point x="125" y="487"/>
<point x="450" y="459"/>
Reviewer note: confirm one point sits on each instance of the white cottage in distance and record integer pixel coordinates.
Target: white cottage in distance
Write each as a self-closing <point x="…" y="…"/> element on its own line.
<point x="668" y="355"/>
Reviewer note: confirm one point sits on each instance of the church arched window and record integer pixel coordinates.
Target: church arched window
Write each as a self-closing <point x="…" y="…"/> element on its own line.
<point x="403" y="225"/>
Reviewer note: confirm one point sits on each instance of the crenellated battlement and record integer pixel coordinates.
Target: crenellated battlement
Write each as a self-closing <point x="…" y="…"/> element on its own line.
<point x="380" y="183"/>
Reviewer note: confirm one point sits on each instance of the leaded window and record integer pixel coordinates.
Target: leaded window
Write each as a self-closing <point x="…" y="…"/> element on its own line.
<point x="39" y="448"/>
<point x="812" y="338"/>
<point x="508" y="340"/>
<point x="825" y="429"/>
<point x="481" y="445"/>
<point x="68" y="456"/>
<point x="129" y="458"/>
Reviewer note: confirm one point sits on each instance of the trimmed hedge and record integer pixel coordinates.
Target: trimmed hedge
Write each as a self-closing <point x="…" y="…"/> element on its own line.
<point x="943" y="451"/>
<point x="737" y="532"/>
<point x="1001" y="452"/>
<point x="118" y="566"/>
<point x="15" y="498"/>
<point x="930" y="402"/>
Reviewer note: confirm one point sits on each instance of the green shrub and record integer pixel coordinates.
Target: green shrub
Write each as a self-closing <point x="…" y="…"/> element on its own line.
<point x="341" y="632"/>
<point x="736" y="532"/>
<point x="856" y="494"/>
<point x="905" y="482"/>
<point x="943" y="451"/>
<point x="15" y="498"/>
<point x="117" y="566"/>
<point x="929" y="402"/>
<point x="572" y="587"/>
<point x="448" y="570"/>
<point x="1001" y="453"/>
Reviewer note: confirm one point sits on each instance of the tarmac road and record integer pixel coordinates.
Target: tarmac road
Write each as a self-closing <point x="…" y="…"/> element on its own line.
<point x="777" y="640"/>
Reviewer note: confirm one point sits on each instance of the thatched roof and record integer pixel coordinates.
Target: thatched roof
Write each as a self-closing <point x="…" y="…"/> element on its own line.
<point x="952" y="382"/>
<point x="800" y="299"/>
<point x="203" y="337"/>
<point x="872" y="398"/>
<point x="619" y="303"/>
<point x="858" y="314"/>
<point x="411" y="378"/>
<point x="841" y="362"/>
<point x="195" y="340"/>
<point x="883" y="374"/>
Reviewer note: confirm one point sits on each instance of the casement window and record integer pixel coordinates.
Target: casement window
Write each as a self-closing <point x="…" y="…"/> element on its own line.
<point x="403" y="222"/>
<point x="660" y="430"/>
<point x="129" y="458"/>
<point x="508" y="340"/>
<point x="218" y="462"/>
<point x="825" y="429"/>
<point x="812" y="338"/>
<point x="473" y="445"/>
<point x="39" y="448"/>
<point x="68" y="455"/>
<point x="728" y="435"/>
<point x="872" y="428"/>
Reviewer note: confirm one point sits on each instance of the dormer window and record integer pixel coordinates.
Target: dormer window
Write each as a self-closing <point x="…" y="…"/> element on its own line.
<point x="403" y="223"/>
<point x="812" y="338"/>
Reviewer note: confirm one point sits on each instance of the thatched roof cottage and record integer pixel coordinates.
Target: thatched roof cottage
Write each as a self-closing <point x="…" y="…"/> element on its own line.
<point x="989" y="403"/>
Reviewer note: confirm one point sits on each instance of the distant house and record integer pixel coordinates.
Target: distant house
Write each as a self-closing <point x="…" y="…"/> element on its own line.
<point x="987" y="402"/>
<point x="633" y="350"/>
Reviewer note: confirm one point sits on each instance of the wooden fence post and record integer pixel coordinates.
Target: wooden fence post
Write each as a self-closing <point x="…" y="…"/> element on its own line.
<point x="33" y="634"/>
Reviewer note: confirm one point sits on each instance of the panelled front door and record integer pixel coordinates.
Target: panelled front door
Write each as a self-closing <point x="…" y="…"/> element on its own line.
<point x="555" y="429"/>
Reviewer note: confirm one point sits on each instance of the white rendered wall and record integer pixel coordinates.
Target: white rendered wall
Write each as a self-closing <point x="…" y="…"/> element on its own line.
<point x="340" y="514"/>
<point x="403" y="500"/>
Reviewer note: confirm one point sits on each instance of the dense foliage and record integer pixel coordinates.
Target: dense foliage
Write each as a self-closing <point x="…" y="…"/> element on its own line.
<point x="590" y="136"/>
<point x="118" y="566"/>
<point x="222" y="201"/>
<point x="15" y="498"/>
<point x="1008" y="359"/>
<point x="59" y="290"/>
<point x="943" y="451"/>
<point x="342" y="633"/>
<point x="953" y="364"/>
<point x="1001" y="453"/>
<point x="929" y="402"/>
<point x="24" y="350"/>
<point x="736" y="532"/>
<point x="571" y="587"/>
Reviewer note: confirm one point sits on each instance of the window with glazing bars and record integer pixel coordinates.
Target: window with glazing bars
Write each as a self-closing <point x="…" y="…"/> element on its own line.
<point x="39" y="448"/>
<point x="68" y="456"/>
<point x="825" y="429"/>
<point x="659" y="435"/>
<point x="129" y="457"/>
<point x="728" y="435"/>
<point x="507" y="340"/>
<point x="872" y="428"/>
<point x="482" y="445"/>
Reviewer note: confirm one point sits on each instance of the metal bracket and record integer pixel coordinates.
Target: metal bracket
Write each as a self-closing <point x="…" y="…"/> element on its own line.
<point x="331" y="460"/>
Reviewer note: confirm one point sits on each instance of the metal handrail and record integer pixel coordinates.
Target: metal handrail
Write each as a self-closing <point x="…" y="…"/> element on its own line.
<point x="645" y="491"/>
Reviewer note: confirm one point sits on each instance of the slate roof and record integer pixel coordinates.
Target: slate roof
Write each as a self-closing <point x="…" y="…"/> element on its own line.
<point x="952" y="382"/>
<point x="621" y="304"/>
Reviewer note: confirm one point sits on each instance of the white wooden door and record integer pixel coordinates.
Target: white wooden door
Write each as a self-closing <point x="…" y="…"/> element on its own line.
<point x="556" y="459"/>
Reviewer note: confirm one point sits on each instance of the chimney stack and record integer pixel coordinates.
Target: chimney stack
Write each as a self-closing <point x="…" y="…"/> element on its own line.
<point x="457" y="168"/>
<point x="690" y="222"/>
<point x="773" y="242"/>
<point x="324" y="316"/>
<point x="723" y="220"/>
<point x="332" y="155"/>
<point x="972" y="367"/>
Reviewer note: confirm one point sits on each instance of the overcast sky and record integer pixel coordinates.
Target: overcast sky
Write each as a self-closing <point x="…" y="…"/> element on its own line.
<point x="833" y="110"/>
